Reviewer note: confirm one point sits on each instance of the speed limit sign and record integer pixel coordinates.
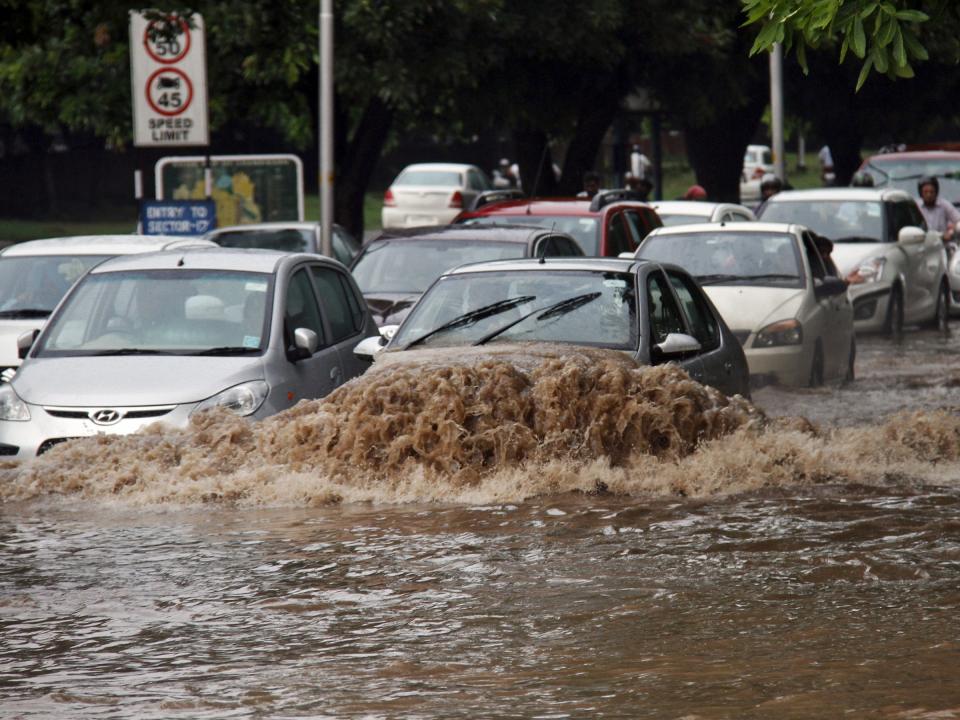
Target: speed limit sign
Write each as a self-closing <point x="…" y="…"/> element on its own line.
<point x="168" y="70"/>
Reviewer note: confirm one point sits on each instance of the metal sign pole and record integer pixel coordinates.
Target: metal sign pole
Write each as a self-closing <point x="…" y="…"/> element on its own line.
<point x="325" y="58"/>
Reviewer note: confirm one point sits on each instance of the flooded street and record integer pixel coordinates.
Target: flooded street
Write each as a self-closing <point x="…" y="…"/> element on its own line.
<point x="786" y="571"/>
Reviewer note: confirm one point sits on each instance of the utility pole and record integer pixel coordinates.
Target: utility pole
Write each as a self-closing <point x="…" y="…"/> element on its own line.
<point x="325" y="131"/>
<point x="776" y="110"/>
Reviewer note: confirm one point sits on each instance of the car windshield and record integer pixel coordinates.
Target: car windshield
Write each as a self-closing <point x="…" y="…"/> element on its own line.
<point x="904" y="174"/>
<point x="736" y="258"/>
<point x="582" y="307"/>
<point x="409" y="266"/>
<point x="839" y="220"/>
<point x="176" y="312"/>
<point x="283" y="239"/>
<point x="31" y="286"/>
<point x="445" y="178"/>
<point x="584" y="229"/>
<point x="683" y="219"/>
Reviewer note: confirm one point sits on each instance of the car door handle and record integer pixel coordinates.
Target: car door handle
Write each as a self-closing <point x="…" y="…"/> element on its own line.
<point x="728" y="366"/>
<point x="335" y="373"/>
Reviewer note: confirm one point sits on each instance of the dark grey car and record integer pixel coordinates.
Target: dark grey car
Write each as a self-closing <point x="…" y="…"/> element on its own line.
<point x="655" y="312"/>
<point x="395" y="268"/>
<point x="287" y="237"/>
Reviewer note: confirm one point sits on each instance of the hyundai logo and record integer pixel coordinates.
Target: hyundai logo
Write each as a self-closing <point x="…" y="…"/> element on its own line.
<point x="105" y="417"/>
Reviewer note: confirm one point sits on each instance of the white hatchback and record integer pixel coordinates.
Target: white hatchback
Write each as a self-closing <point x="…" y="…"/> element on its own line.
<point x="685" y="212"/>
<point x="432" y="194"/>
<point x="34" y="275"/>
<point x="775" y="292"/>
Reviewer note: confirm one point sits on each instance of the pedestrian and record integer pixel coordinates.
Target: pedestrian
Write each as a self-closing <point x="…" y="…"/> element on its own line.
<point x="640" y="186"/>
<point x="940" y="215"/>
<point x="770" y="185"/>
<point x="591" y="185"/>
<point x="827" y="176"/>
<point x="640" y="164"/>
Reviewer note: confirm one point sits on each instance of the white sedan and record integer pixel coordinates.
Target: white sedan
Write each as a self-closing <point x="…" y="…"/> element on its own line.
<point x="775" y="292"/>
<point x="896" y="267"/>
<point x="684" y="212"/>
<point x="431" y="194"/>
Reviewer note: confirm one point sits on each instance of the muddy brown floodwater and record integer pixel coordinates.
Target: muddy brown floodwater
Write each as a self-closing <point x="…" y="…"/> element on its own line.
<point x="532" y="533"/>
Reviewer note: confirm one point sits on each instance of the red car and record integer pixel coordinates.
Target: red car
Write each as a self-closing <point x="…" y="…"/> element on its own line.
<point x="613" y="222"/>
<point x="902" y="170"/>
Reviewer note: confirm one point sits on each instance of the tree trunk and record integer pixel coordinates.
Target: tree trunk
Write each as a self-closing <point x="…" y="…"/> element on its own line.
<point x="356" y="163"/>
<point x="715" y="150"/>
<point x="536" y="163"/>
<point x="598" y="106"/>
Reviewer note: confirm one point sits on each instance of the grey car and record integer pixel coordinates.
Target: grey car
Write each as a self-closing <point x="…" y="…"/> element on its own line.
<point x="286" y="236"/>
<point x="158" y="337"/>
<point x="653" y="311"/>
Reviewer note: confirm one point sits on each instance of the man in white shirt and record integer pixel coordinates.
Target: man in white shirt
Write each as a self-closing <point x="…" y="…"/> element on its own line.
<point x="940" y="215"/>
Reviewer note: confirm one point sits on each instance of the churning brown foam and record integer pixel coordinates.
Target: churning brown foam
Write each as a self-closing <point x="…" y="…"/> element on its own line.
<point x="490" y="425"/>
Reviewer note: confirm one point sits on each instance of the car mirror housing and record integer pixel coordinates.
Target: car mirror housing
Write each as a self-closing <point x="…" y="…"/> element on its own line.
<point x="677" y="344"/>
<point x="25" y="342"/>
<point x="911" y="235"/>
<point x="829" y="286"/>
<point x="305" y="344"/>
<point x="367" y="348"/>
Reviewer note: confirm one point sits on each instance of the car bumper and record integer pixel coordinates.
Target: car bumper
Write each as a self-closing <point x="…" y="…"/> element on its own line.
<point x="404" y="218"/>
<point x="869" y="307"/>
<point x="49" y="426"/>
<point x="786" y="365"/>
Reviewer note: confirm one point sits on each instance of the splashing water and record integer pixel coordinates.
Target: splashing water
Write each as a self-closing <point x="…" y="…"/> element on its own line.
<point x="490" y="425"/>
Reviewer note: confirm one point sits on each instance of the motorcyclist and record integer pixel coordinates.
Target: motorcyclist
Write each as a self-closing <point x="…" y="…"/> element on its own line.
<point x="770" y="185"/>
<point x="940" y="215"/>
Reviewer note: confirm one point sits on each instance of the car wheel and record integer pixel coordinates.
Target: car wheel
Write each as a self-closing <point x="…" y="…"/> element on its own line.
<point x="851" y="374"/>
<point x="894" y="323"/>
<point x="816" y="368"/>
<point x="941" y="319"/>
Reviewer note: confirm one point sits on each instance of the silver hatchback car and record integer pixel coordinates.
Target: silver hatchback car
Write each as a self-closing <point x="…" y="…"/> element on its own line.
<point x="158" y="337"/>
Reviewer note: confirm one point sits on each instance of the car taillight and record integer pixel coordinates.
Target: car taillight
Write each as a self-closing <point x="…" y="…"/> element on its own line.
<point x="456" y="200"/>
<point x="388" y="200"/>
<point x="758" y="173"/>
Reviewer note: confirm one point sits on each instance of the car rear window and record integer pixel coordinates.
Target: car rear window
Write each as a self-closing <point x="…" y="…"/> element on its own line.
<point x="286" y="240"/>
<point x="583" y="229"/>
<point x="839" y="220"/>
<point x="429" y="177"/>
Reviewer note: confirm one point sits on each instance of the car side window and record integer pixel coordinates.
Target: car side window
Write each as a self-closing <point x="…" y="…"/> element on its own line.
<point x="916" y="217"/>
<point x="900" y="217"/>
<point x="638" y="229"/>
<point x="617" y="240"/>
<point x="301" y="309"/>
<point x="702" y="323"/>
<point x="817" y="267"/>
<point x="336" y="302"/>
<point x="664" y="314"/>
<point x="473" y="180"/>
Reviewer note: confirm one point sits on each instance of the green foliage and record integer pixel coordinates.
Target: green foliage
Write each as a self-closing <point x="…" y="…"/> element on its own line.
<point x="886" y="35"/>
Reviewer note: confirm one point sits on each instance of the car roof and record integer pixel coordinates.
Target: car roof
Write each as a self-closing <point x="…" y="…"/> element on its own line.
<point x="102" y="245"/>
<point x="753" y="226"/>
<point x="208" y="258"/>
<point x="915" y="155"/>
<point x="517" y="233"/>
<point x="590" y="264"/>
<point x="686" y="207"/>
<point x="863" y="194"/>
<point x="455" y="167"/>
<point x="572" y="207"/>
<point x="278" y="225"/>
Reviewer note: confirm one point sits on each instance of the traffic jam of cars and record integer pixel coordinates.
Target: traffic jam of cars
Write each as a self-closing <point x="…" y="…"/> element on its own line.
<point x="109" y="334"/>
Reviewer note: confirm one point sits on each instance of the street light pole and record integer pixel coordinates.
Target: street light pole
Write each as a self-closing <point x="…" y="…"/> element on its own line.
<point x="325" y="58"/>
<point x="776" y="110"/>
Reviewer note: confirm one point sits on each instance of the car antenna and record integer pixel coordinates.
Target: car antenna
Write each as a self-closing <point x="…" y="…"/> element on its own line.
<point x="536" y="180"/>
<point x="180" y="261"/>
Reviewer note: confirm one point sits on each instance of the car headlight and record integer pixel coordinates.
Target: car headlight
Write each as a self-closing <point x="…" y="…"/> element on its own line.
<point x="11" y="406"/>
<point x="869" y="271"/>
<point x="783" y="332"/>
<point x="244" y="399"/>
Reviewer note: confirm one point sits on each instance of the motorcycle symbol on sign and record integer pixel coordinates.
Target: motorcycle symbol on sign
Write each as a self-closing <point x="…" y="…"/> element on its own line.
<point x="169" y="91"/>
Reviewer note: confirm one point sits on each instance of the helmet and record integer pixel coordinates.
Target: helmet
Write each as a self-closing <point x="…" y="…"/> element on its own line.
<point x="862" y="179"/>
<point x="928" y="180"/>
<point x="771" y="182"/>
<point x="695" y="192"/>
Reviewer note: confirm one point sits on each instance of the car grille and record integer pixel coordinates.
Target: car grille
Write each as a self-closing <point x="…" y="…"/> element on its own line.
<point x="83" y="414"/>
<point x="741" y="336"/>
<point x="8" y="450"/>
<point x="47" y="444"/>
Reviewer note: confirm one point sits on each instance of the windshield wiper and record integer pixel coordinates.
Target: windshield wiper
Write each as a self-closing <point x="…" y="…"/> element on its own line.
<point x="551" y="311"/>
<point x="132" y="351"/>
<point x="25" y="313"/>
<point x="473" y="316"/>
<point x="856" y="239"/>
<point x="714" y="279"/>
<point x="226" y="350"/>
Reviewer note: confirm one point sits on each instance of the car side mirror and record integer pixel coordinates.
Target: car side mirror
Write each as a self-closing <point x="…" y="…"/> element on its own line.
<point x="305" y="344"/>
<point x="367" y="348"/>
<point x="911" y="235"/>
<point x="677" y="344"/>
<point x="829" y="286"/>
<point x="25" y="342"/>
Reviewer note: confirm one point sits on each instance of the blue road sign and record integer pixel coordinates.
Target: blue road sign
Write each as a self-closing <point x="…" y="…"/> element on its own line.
<point x="177" y="217"/>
